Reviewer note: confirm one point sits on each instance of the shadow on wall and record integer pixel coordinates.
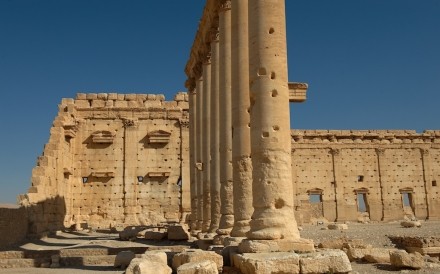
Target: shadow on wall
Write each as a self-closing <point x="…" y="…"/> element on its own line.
<point x="31" y="220"/>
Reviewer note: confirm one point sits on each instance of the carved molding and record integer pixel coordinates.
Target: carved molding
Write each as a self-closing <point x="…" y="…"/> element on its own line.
<point x="103" y="137"/>
<point x="225" y="5"/>
<point x="425" y="152"/>
<point x="159" y="137"/>
<point x="335" y="151"/>
<point x="184" y="123"/>
<point x="128" y="123"/>
<point x="380" y="151"/>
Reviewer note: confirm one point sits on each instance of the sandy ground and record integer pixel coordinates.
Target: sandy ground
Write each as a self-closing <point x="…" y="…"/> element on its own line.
<point x="374" y="234"/>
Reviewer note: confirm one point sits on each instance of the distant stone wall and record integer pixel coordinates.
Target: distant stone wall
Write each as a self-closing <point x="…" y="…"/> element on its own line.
<point x="390" y="173"/>
<point x="13" y="226"/>
<point x="112" y="159"/>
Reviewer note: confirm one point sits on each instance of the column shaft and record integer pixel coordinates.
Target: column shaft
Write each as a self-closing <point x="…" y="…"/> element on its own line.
<point x="273" y="217"/>
<point x="215" y="135"/>
<point x="192" y="156"/>
<point x="226" y="210"/>
<point x="206" y="145"/>
<point x="199" y="152"/>
<point x="240" y="104"/>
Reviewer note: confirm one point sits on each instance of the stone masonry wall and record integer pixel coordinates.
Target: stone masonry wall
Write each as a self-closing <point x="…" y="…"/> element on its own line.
<point x="13" y="226"/>
<point x="380" y="175"/>
<point x="112" y="159"/>
<point x="115" y="159"/>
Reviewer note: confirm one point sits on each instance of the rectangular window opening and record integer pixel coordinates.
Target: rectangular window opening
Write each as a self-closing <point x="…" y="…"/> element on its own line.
<point x="315" y="198"/>
<point x="360" y="178"/>
<point x="406" y="197"/>
<point x="362" y="202"/>
<point x="434" y="183"/>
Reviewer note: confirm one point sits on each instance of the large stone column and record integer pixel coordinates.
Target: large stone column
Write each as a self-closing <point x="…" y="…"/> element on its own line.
<point x="215" y="133"/>
<point x="273" y="225"/>
<point x="206" y="144"/>
<point x="241" y="148"/>
<point x="199" y="151"/>
<point x="192" y="156"/>
<point x="226" y="210"/>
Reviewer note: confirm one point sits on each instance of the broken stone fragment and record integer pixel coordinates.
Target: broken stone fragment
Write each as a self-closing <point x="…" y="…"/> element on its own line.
<point x="402" y="259"/>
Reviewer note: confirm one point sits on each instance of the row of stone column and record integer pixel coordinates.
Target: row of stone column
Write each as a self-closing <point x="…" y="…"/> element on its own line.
<point x="240" y="125"/>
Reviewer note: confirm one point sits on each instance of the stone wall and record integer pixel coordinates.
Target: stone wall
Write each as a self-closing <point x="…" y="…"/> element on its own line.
<point x="112" y="159"/>
<point x="115" y="159"/>
<point x="13" y="226"/>
<point x="389" y="174"/>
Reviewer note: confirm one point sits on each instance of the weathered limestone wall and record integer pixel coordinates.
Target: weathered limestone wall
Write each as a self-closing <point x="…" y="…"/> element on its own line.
<point x="394" y="172"/>
<point x="113" y="159"/>
<point x="13" y="226"/>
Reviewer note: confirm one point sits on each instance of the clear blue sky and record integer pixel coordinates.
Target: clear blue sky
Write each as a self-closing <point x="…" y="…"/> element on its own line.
<point x="370" y="64"/>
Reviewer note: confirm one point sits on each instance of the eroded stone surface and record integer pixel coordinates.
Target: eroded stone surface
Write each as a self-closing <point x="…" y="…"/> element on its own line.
<point x="266" y="263"/>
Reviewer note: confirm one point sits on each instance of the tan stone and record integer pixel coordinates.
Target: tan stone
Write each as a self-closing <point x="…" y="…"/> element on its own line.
<point x="328" y="261"/>
<point x="123" y="259"/>
<point x="178" y="232"/>
<point x="411" y="224"/>
<point x="194" y="256"/>
<point x="147" y="266"/>
<point x="203" y="267"/>
<point x="402" y="259"/>
<point x="267" y="263"/>
<point x="337" y="226"/>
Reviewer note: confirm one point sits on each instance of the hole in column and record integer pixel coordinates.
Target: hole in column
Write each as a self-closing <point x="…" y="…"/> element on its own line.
<point x="265" y="134"/>
<point x="249" y="125"/>
<point x="248" y="110"/>
<point x="279" y="203"/>
<point x="271" y="30"/>
<point x="274" y="93"/>
<point x="276" y="128"/>
<point x="272" y="75"/>
<point x="262" y="72"/>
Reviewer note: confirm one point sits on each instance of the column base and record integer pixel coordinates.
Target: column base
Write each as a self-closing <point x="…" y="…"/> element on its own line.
<point x="233" y="241"/>
<point x="267" y="246"/>
<point x="218" y="239"/>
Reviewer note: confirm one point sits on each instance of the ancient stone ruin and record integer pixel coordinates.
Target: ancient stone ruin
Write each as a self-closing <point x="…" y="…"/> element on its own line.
<point x="222" y="160"/>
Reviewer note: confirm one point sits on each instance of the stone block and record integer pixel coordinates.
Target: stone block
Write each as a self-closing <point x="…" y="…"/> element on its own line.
<point x="123" y="259"/>
<point x="204" y="244"/>
<point x="180" y="96"/>
<point x="337" y="226"/>
<point x="91" y="96"/>
<point x="130" y="97"/>
<point x="178" y="232"/>
<point x="203" y="267"/>
<point x="98" y="103"/>
<point x="155" y="235"/>
<point x="151" y="97"/>
<point x="267" y="263"/>
<point x="121" y="104"/>
<point x="183" y="105"/>
<point x="297" y="245"/>
<point x="112" y="96"/>
<point x="402" y="259"/>
<point x="147" y="266"/>
<point x="102" y="96"/>
<point x="132" y="265"/>
<point x="82" y="103"/>
<point x="157" y="255"/>
<point x="81" y="96"/>
<point x="378" y="256"/>
<point x="327" y="261"/>
<point x="409" y="224"/>
<point x="135" y="104"/>
<point x="194" y="256"/>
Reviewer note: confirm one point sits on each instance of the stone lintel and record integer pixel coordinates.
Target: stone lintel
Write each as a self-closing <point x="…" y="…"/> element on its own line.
<point x="103" y="174"/>
<point x="298" y="92"/>
<point x="264" y="246"/>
